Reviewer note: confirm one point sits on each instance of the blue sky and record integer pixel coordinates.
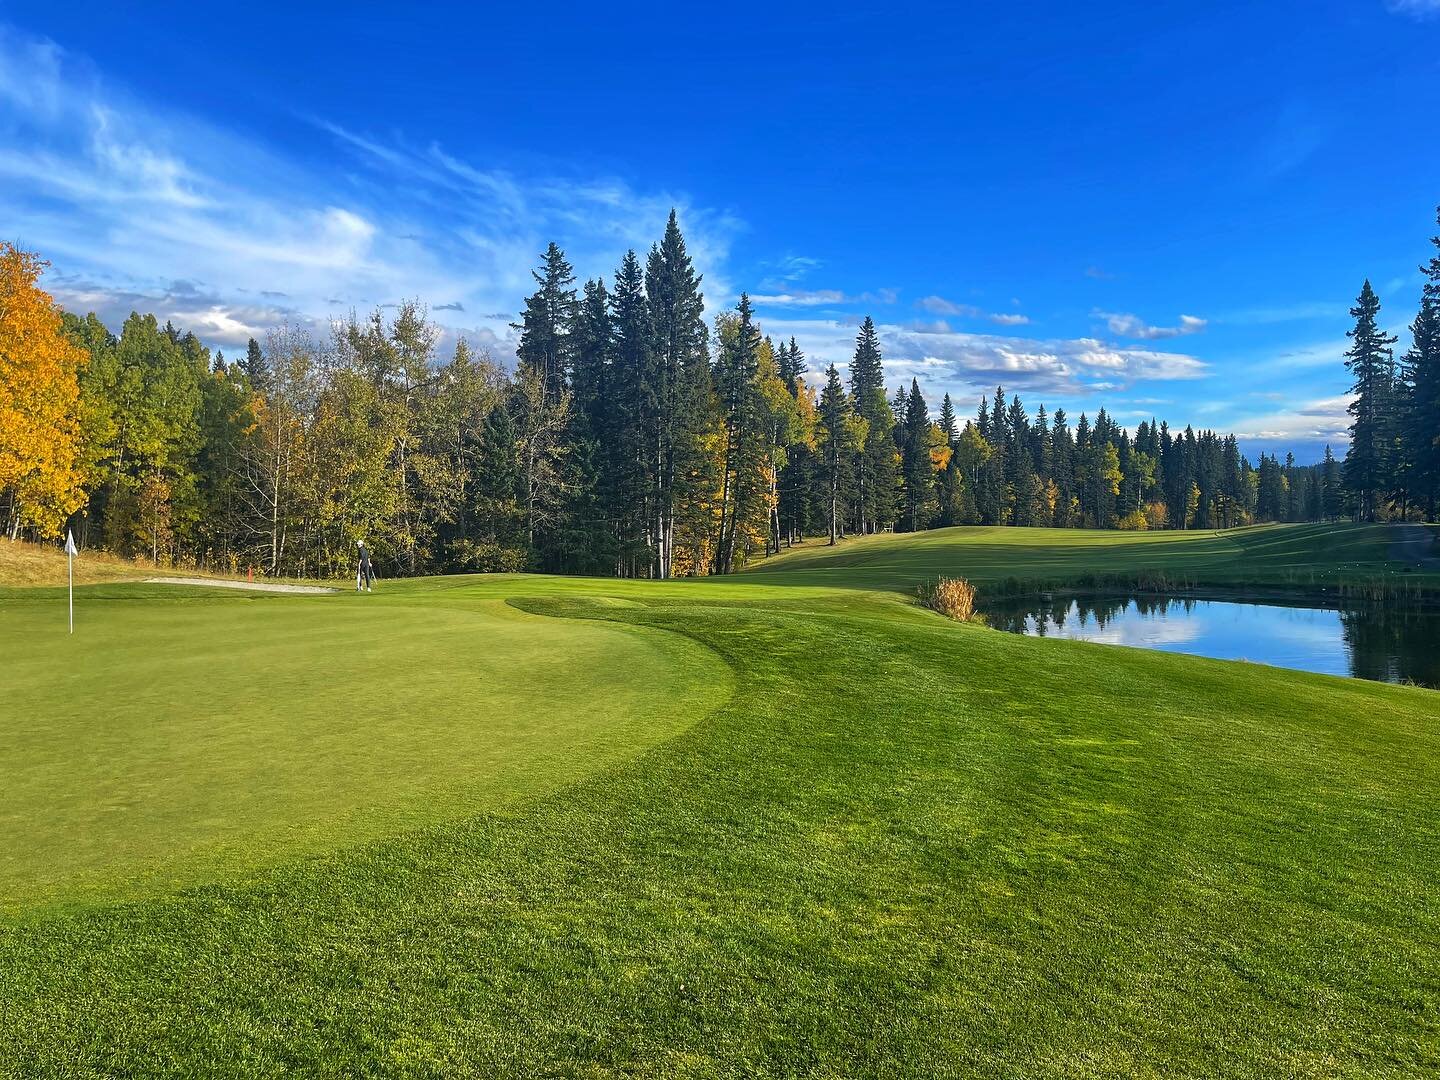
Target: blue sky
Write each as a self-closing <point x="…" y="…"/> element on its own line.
<point x="1164" y="208"/>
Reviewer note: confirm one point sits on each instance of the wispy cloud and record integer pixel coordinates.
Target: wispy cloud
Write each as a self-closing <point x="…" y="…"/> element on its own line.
<point x="938" y="305"/>
<point x="1132" y="326"/>
<point x="786" y="270"/>
<point x="1415" y="9"/>
<point x="823" y="298"/>
<point x="118" y="193"/>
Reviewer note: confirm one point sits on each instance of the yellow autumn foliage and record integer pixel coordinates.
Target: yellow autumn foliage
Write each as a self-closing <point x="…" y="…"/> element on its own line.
<point x="40" y="483"/>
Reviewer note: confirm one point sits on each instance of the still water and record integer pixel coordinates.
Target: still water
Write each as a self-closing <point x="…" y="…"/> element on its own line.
<point x="1368" y="642"/>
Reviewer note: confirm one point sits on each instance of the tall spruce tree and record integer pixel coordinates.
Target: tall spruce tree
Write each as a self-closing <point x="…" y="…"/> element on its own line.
<point x="840" y="438"/>
<point x="1421" y="439"/>
<point x="875" y="466"/>
<point x="1371" y="363"/>
<point x="917" y="476"/>
<point x="635" y="413"/>
<point x="254" y="367"/>
<point x="546" y="323"/>
<point x="589" y="534"/>
<point x="677" y="314"/>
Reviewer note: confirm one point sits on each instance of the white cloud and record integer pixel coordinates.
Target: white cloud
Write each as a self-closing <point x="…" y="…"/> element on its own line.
<point x="801" y="298"/>
<point x="1132" y="326"/>
<point x="822" y="298"/>
<point x="788" y="269"/>
<point x="1317" y="420"/>
<point x="121" y="195"/>
<point x="938" y="305"/>
<point x="1416" y="9"/>
<point x="965" y="365"/>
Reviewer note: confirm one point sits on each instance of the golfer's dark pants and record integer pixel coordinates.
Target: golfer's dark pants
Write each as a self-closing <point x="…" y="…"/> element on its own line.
<point x="366" y="576"/>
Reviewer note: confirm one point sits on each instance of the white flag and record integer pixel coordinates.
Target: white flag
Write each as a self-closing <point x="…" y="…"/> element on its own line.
<point x="70" y="548"/>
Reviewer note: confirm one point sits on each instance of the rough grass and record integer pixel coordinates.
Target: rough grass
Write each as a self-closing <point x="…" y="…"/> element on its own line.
<point x="952" y="597"/>
<point x="902" y="847"/>
<point x="24" y="565"/>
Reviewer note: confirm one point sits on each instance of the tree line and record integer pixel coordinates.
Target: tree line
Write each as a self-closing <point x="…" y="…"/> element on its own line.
<point x="632" y="438"/>
<point x="1392" y="467"/>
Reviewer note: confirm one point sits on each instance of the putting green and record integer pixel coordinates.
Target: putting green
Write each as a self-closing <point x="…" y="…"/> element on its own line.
<point x="204" y="735"/>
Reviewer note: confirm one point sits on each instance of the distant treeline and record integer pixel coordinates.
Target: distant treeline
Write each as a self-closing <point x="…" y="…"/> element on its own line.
<point x="631" y="439"/>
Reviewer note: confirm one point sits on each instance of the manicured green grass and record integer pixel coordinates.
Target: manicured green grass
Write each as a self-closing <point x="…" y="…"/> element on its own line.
<point x="1296" y="555"/>
<point x="899" y="846"/>
<point x="181" y="735"/>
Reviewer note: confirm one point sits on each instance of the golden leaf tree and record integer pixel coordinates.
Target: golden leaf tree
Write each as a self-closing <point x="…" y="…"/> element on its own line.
<point x="40" y="483"/>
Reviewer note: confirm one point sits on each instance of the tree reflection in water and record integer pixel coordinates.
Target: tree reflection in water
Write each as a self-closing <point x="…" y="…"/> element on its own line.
<point x="1372" y="641"/>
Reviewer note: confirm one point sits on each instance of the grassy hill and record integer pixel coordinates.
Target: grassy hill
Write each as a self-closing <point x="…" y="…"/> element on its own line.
<point x="1303" y="556"/>
<point x="24" y="565"/>
<point x="786" y="823"/>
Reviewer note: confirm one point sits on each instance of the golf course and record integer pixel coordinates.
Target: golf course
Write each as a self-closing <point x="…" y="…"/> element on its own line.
<point x="787" y="822"/>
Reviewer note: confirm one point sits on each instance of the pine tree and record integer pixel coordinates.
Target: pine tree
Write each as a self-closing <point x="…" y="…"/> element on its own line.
<point x="677" y="313"/>
<point x="1371" y="363"/>
<point x="1421" y="438"/>
<point x="633" y="437"/>
<point x="792" y="366"/>
<point x="254" y="367"/>
<point x="949" y="426"/>
<point x="917" y="474"/>
<point x="841" y="435"/>
<point x="875" y="472"/>
<point x="1331" y="486"/>
<point x="589" y="537"/>
<point x="545" y="325"/>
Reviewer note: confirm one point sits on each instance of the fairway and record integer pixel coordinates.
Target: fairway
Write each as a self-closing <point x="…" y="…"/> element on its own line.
<point x="175" y="738"/>
<point x="785" y="823"/>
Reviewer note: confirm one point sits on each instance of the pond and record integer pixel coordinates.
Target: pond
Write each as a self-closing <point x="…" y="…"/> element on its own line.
<point x="1388" y="644"/>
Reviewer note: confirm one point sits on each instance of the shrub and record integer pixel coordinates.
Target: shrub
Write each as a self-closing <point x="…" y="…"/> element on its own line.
<point x="952" y="597"/>
<point x="1135" y="521"/>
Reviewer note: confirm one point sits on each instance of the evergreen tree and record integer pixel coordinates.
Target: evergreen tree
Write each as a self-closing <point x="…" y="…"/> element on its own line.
<point x="1332" y="499"/>
<point x="841" y="435"/>
<point x="1421" y="438"/>
<point x="791" y="362"/>
<point x="589" y="543"/>
<point x="1371" y="361"/>
<point x="875" y="471"/>
<point x="254" y="367"/>
<point x="677" y="312"/>
<point x="949" y="426"/>
<point x="633" y="437"/>
<point x="545" y="325"/>
<point x="917" y="473"/>
<point x="743" y="487"/>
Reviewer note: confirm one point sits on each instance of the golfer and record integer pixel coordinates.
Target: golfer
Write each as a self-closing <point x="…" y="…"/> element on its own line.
<point x="365" y="576"/>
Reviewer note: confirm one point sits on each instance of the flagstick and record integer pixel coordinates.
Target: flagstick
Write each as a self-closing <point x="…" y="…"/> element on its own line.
<point x="70" y="553"/>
